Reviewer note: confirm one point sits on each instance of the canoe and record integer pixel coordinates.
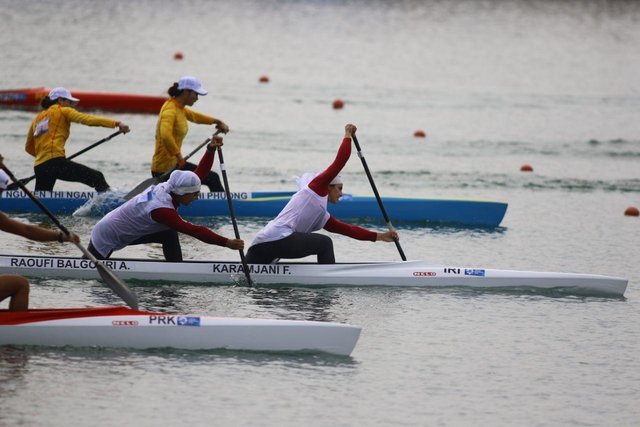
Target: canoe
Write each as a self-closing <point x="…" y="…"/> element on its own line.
<point x="123" y="327"/>
<point x="364" y="274"/>
<point x="269" y="203"/>
<point x="30" y="98"/>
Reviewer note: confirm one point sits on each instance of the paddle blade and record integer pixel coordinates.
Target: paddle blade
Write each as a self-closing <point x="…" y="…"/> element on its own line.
<point x="141" y="187"/>
<point x="23" y="181"/>
<point x="117" y="286"/>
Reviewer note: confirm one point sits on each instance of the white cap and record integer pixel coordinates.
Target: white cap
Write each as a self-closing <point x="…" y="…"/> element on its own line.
<point x="4" y="180"/>
<point x="337" y="180"/>
<point x="183" y="182"/>
<point x="60" y="92"/>
<point x="191" y="83"/>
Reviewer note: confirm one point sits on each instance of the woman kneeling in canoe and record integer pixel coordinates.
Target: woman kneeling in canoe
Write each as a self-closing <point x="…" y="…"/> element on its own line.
<point x="152" y="217"/>
<point x="172" y="128"/>
<point x="12" y="285"/>
<point x="48" y="135"/>
<point x="290" y="234"/>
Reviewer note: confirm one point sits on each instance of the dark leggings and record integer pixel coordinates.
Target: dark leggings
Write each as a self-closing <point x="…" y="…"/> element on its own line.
<point x="65" y="170"/>
<point x="212" y="180"/>
<point x="168" y="238"/>
<point x="297" y="245"/>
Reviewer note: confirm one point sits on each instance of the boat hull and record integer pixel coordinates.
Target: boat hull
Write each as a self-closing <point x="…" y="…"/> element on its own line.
<point x="397" y="274"/>
<point x="30" y="98"/>
<point x="122" y="327"/>
<point x="269" y="204"/>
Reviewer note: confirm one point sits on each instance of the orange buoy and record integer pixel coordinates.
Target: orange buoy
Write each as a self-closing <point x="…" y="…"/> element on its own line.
<point x="419" y="134"/>
<point x="178" y="56"/>
<point x="263" y="79"/>
<point x="338" y="104"/>
<point x="526" y="168"/>
<point x="632" y="211"/>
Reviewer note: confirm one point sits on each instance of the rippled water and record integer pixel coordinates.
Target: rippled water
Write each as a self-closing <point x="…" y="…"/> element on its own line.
<point x="495" y="84"/>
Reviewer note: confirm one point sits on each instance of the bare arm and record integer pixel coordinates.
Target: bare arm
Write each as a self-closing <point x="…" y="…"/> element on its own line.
<point x="33" y="232"/>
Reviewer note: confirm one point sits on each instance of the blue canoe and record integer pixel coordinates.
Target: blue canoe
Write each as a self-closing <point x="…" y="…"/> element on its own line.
<point x="269" y="204"/>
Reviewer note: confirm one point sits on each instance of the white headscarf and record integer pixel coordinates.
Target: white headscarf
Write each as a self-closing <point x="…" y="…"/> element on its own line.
<point x="183" y="182"/>
<point x="337" y="180"/>
<point x="307" y="177"/>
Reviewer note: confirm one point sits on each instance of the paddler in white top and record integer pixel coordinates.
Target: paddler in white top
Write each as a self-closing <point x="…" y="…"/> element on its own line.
<point x="290" y="234"/>
<point x="152" y="217"/>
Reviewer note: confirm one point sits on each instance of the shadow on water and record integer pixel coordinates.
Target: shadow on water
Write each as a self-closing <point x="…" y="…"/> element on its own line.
<point x="564" y="294"/>
<point x="284" y="302"/>
<point x="313" y="304"/>
<point x="13" y="366"/>
<point x="14" y="359"/>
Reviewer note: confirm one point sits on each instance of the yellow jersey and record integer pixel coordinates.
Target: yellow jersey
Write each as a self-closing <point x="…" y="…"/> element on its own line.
<point x="171" y="130"/>
<point x="49" y="131"/>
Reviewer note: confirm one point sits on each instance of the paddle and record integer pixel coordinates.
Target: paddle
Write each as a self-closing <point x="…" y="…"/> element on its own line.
<point x="375" y="191"/>
<point x="245" y="267"/>
<point x="157" y="179"/>
<point x="14" y="185"/>
<point x="118" y="286"/>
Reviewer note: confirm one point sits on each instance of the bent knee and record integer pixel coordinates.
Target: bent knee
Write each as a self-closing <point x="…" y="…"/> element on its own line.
<point x="15" y="284"/>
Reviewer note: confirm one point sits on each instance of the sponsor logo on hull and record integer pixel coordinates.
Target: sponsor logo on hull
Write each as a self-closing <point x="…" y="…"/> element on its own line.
<point x="474" y="272"/>
<point x="424" y="273"/>
<point x="125" y="323"/>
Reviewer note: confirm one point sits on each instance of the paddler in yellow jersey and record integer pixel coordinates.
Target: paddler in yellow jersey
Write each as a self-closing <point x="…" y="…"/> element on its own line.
<point x="172" y="128"/>
<point x="48" y="135"/>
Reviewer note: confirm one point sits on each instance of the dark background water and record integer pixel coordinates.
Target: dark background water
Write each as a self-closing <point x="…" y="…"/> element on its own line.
<point x="495" y="84"/>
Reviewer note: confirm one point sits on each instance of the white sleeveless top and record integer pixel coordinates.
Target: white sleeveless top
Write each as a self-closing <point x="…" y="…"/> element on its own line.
<point x="305" y="212"/>
<point x="131" y="220"/>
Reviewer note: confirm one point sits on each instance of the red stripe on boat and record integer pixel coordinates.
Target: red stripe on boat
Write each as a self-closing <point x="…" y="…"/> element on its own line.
<point x="41" y="315"/>
<point x="30" y="98"/>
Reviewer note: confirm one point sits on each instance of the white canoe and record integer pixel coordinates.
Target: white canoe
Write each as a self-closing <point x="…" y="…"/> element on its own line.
<point x="407" y="273"/>
<point x="123" y="327"/>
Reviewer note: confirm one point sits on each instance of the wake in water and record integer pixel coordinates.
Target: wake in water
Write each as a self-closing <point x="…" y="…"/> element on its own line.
<point x="101" y="204"/>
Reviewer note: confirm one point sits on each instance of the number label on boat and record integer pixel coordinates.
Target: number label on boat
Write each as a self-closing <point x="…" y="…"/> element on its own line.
<point x="466" y="271"/>
<point x="174" y="320"/>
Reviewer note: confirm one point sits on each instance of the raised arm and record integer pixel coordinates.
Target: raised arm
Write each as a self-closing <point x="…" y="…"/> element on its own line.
<point x="206" y="162"/>
<point x="320" y="184"/>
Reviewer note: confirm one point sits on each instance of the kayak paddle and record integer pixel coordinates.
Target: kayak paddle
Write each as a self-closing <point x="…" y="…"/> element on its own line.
<point x="116" y="285"/>
<point x="232" y="214"/>
<point x="378" y="198"/>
